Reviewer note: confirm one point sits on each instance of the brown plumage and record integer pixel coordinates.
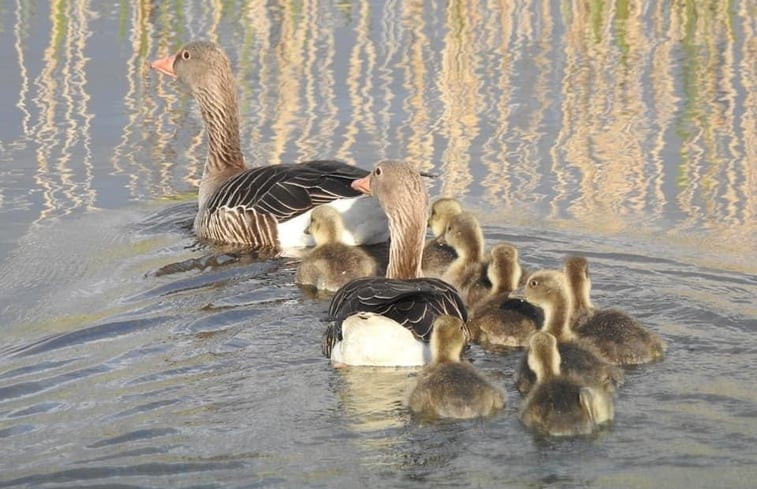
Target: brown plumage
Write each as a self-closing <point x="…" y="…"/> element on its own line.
<point x="548" y="289"/>
<point x="437" y="255"/>
<point x="450" y="387"/>
<point x="331" y="264"/>
<point x="561" y="404"/>
<point x="618" y="337"/>
<point x="466" y="272"/>
<point x="403" y="295"/>
<point x="259" y="206"/>
<point x="500" y="322"/>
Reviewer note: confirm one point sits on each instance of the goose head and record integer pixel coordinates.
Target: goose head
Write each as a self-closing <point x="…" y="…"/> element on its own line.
<point x="504" y="270"/>
<point x="442" y="211"/>
<point x="447" y="339"/>
<point x="206" y="70"/>
<point x="404" y="198"/>
<point x="576" y="269"/>
<point x="465" y="236"/>
<point x="543" y="355"/>
<point x="325" y="225"/>
<point x="548" y="289"/>
<point x="201" y="66"/>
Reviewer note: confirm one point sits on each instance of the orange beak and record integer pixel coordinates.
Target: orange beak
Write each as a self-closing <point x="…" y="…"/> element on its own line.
<point x="362" y="185"/>
<point x="165" y="65"/>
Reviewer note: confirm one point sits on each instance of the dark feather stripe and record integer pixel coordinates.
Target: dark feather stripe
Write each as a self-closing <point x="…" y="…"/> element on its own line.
<point x="413" y="303"/>
<point x="262" y="197"/>
<point x="287" y="188"/>
<point x="240" y="225"/>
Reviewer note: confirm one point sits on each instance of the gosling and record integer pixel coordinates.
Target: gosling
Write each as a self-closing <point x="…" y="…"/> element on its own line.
<point x="618" y="337"/>
<point x="332" y="263"/>
<point x="548" y="289"/>
<point x="467" y="271"/>
<point x="450" y="387"/>
<point x="437" y="255"/>
<point x="561" y="405"/>
<point x="501" y="322"/>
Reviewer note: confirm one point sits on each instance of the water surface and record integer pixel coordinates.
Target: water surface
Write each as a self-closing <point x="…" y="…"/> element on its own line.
<point x="622" y="131"/>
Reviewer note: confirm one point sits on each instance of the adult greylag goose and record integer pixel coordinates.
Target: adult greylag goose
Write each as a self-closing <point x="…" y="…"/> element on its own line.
<point x="437" y="255"/>
<point x="467" y="272"/>
<point x="560" y="404"/>
<point x="548" y="289"/>
<point x="450" y="387"/>
<point x="621" y="339"/>
<point x="403" y="295"/>
<point x="331" y="264"/>
<point x="501" y="322"/>
<point x="265" y="206"/>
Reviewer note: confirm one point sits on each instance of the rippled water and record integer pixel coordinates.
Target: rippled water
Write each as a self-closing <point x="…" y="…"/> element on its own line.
<point x="623" y="131"/>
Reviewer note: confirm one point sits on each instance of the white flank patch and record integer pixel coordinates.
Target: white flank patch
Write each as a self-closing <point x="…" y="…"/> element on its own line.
<point x="364" y="223"/>
<point x="370" y="339"/>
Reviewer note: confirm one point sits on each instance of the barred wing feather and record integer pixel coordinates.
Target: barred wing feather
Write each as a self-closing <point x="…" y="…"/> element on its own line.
<point x="414" y="303"/>
<point x="286" y="191"/>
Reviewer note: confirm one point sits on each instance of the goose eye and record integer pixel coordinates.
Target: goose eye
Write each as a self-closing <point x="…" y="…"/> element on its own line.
<point x="185" y="55"/>
<point x="377" y="171"/>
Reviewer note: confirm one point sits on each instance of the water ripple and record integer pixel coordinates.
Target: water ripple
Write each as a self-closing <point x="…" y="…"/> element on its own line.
<point x="110" y="331"/>
<point x="118" y="472"/>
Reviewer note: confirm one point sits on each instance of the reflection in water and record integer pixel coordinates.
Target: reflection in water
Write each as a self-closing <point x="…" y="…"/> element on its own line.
<point x="20" y="32"/>
<point x="62" y="129"/>
<point x="374" y="399"/>
<point x="117" y="368"/>
<point x="605" y="114"/>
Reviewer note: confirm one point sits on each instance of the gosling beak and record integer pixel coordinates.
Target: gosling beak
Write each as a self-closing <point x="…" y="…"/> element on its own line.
<point x="519" y="294"/>
<point x="362" y="185"/>
<point x="164" y="65"/>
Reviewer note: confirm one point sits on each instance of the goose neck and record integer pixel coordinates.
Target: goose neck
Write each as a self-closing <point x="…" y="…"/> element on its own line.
<point x="405" y="252"/>
<point x="220" y="113"/>
<point x="407" y="232"/>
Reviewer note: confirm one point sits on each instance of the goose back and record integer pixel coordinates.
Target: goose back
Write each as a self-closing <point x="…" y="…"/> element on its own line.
<point x="413" y="303"/>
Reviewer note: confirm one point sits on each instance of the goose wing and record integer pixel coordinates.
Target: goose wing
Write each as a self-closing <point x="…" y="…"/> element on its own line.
<point x="286" y="191"/>
<point x="413" y="303"/>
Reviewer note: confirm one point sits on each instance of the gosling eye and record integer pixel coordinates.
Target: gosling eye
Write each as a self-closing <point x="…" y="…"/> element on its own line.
<point x="185" y="55"/>
<point x="533" y="283"/>
<point x="377" y="171"/>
